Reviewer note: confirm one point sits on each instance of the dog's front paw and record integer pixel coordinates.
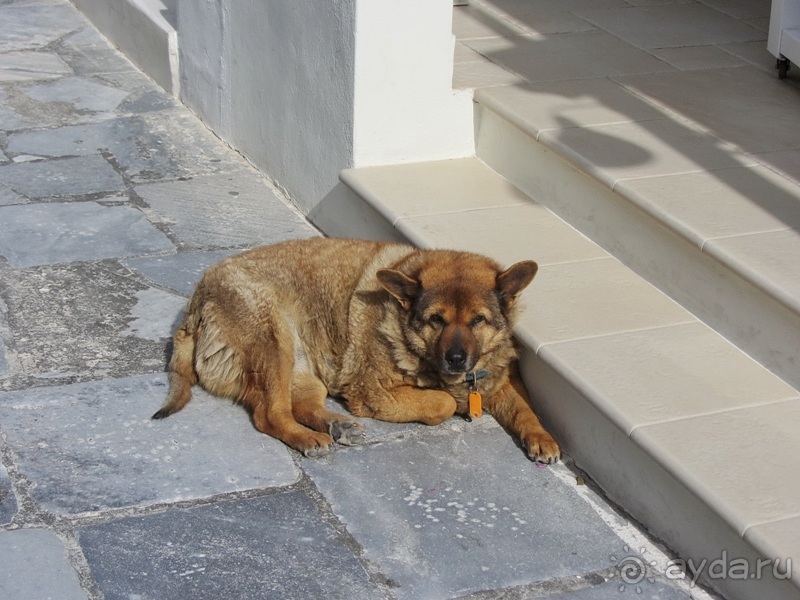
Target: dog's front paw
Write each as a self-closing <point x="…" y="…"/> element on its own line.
<point x="317" y="452"/>
<point x="347" y="433"/>
<point x="315" y="445"/>
<point x="542" y="448"/>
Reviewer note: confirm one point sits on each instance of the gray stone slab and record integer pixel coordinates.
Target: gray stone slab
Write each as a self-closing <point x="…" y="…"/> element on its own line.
<point x="4" y="368"/>
<point x="85" y="96"/>
<point x="144" y="99"/>
<point x="168" y="144"/>
<point x="40" y="234"/>
<point x="9" y="196"/>
<point x="156" y="315"/>
<point x="271" y="547"/>
<point x="5" y="334"/>
<point x="3" y="362"/>
<point x="179" y="272"/>
<point x="616" y="589"/>
<point x="91" y="37"/>
<point x="143" y="94"/>
<point x="235" y="209"/>
<point x="115" y="136"/>
<point x="35" y="567"/>
<point x="28" y="66"/>
<point x="9" y="118"/>
<point x="8" y="502"/>
<point x="173" y="144"/>
<point x="61" y="178"/>
<point x="92" y="446"/>
<point x="87" y="52"/>
<point x="29" y="27"/>
<point x="79" y="321"/>
<point x="65" y="101"/>
<point x="452" y="513"/>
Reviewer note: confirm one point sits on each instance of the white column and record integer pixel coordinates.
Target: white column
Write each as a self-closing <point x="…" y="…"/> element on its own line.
<point x="405" y="108"/>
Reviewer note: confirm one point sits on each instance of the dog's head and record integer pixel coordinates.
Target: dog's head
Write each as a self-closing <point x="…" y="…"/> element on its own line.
<point x="456" y="307"/>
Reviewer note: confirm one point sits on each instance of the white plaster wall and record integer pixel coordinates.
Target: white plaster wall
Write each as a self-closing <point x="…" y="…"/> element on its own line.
<point x="306" y="88"/>
<point x="275" y="79"/>
<point x="291" y="91"/>
<point x="201" y="31"/>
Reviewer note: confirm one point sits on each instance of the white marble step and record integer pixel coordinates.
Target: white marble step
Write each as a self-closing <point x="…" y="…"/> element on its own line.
<point x="706" y="223"/>
<point x="679" y="426"/>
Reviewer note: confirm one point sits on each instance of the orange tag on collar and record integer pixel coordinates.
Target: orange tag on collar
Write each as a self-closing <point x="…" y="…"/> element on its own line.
<point x="475" y="405"/>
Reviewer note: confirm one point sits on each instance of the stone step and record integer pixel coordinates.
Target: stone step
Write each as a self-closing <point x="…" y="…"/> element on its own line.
<point x="667" y="415"/>
<point x="705" y="222"/>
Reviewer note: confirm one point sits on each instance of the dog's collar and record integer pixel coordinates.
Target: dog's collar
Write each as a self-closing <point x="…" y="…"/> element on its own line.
<point x="475" y="375"/>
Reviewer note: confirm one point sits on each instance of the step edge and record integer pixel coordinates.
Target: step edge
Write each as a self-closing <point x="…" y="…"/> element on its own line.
<point x="713" y="501"/>
<point x="617" y="186"/>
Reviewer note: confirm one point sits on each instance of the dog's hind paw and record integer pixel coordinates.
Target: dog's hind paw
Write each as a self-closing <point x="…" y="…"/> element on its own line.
<point x="347" y="433"/>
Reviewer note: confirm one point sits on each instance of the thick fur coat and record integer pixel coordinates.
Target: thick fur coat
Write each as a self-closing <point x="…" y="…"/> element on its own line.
<point x="392" y="330"/>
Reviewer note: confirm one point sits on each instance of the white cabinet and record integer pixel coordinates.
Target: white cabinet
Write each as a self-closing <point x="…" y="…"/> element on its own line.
<point x="784" y="34"/>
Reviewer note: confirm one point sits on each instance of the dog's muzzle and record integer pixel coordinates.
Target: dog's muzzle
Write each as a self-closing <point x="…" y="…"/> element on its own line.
<point x="455" y="360"/>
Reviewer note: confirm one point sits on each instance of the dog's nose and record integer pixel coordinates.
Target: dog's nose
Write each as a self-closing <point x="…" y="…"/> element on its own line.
<point x="456" y="359"/>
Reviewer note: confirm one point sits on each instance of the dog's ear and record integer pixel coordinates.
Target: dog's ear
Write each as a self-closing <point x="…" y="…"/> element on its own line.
<point x="513" y="280"/>
<point x="399" y="285"/>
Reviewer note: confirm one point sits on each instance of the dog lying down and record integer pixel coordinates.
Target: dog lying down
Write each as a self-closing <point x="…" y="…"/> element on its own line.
<point x="399" y="334"/>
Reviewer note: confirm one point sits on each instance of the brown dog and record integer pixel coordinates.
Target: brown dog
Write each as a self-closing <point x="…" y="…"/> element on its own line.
<point x="400" y="334"/>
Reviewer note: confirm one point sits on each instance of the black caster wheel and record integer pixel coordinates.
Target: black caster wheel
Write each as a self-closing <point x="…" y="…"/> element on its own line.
<point x="783" y="67"/>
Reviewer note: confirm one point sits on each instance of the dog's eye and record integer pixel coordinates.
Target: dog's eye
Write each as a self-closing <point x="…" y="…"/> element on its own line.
<point x="476" y="320"/>
<point x="437" y="320"/>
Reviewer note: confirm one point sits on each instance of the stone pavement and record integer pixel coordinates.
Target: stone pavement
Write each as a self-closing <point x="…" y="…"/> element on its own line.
<point x="113" y="199"/>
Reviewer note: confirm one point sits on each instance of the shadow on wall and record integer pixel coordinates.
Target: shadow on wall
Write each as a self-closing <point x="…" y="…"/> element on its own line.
<point x="170" y="12"/>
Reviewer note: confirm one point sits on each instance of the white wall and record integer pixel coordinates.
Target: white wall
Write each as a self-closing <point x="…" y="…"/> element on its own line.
<point x="291" y="90"/>
<point x="274" y="78"/>
<point x="200" y="44"/>
<point x="306" y="88"/>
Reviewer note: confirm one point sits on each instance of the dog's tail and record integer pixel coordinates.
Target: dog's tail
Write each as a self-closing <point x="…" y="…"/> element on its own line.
<point x="181" y="375"/>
